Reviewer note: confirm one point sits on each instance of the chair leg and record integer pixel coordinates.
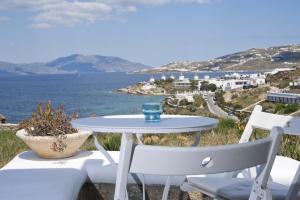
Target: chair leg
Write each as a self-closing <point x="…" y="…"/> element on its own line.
<point x="144" y="187"/>
<point x="259" y="193"/>
<point x="167" y="188"/>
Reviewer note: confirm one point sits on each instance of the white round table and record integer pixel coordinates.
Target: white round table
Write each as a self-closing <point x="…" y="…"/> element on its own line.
<point x="135" y="124"/>
<point x="292" y="127"/>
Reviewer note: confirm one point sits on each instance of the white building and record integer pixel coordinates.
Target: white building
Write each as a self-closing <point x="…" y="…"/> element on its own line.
<point x="152" y="79"/>
<point x="296" y="82"/>
<point x="185" y="83"/>
<point x="206" y="78"/>
<point x="257" y="81"/>
<point x="181" y="77"/>
<point x="196" y="77"/>
<point x="237" y="81"/>
<point x="234" y="84"/>
<point x="280" y="97"/>
<point x="172" y="77"/>
<point x="230" y="84"/>
<point x="163" y="77"/>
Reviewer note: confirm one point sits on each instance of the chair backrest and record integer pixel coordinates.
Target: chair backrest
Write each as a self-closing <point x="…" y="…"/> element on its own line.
<point x="262" y="120"/>
<point x="177" y="161"/>
<point x="266" y="121"/>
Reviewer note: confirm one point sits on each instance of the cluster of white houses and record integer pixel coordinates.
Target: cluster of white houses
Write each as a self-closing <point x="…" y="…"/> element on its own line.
<point x="295" y="83"/>
<point x="226" y="83"/>
<point x="237" y="81"/>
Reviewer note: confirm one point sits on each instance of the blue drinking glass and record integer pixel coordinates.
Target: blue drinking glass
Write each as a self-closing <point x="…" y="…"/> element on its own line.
<point x="152" y="112"/>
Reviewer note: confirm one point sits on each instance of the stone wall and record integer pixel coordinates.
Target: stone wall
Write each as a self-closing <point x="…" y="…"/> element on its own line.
<point x="8" y="127"/>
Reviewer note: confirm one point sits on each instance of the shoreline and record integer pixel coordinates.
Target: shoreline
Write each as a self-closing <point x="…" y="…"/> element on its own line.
<point x="138" y="89"/>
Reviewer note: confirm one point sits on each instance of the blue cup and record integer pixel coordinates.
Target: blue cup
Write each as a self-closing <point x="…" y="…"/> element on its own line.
<point x="152" y="112"/>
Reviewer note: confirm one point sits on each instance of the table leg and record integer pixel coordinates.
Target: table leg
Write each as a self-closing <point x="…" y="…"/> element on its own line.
<point x="139" y="138"/>
<point x="197" y="140"/>
<point x="103" y="151"/>
<point x="123" y="166"/>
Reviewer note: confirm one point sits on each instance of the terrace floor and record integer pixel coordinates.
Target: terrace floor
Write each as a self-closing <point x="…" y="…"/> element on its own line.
<point x="153" y="192"/>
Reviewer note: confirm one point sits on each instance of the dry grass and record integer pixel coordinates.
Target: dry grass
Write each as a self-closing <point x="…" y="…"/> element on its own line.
<point x="10" y="146"/>
<point x="248" y="97"/>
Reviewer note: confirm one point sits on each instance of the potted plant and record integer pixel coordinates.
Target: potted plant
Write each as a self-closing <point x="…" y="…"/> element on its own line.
<point x="50" y="134"/>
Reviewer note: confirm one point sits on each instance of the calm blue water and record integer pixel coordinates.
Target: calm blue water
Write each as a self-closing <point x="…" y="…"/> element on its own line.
<point x="86" y="94"/>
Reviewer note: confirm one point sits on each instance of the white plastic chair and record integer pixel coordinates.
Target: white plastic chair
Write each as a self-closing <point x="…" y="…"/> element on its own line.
<point x="262" y="120"/>
<point x="285" y="176"/>
<point x="181" y="161"/>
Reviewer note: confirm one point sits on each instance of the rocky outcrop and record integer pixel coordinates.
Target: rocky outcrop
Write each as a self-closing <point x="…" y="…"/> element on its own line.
<point x="2" y="119"/>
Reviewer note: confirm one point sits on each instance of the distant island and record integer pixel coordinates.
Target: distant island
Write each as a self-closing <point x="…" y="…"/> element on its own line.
<point x="286" y="56"/>
<point x="76" y="63"/>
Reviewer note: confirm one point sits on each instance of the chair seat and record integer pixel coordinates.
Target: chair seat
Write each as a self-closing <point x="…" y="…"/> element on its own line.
<point x="234" y="188"/>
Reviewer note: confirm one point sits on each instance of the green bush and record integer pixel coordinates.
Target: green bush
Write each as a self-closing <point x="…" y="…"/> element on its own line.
<point x="219" y="98"/>
<point x="279" y="107"/>
<point x="286" y="109"/>
<point x="111" y="142"/>
<point x="198" y="101"/>
<point x="291" y="108"/>
<point x="225" y="124"/>
<point x="291" y="146"/>
<point x="284" y="84"/>
<point x="194" y="84"/>
<point x="191" y="108"/>
<point x="234" y="96"/>
<point x="237" y="106"/>
<point x="205" y="86"/>
<point x="184" y="102"/>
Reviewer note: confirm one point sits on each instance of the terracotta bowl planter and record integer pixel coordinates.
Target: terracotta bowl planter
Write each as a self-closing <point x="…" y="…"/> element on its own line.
<point x="42" y="145"/>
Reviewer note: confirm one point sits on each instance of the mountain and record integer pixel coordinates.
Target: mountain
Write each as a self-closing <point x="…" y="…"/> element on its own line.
<point x="75" y="63"/>
<point x="252" y="59"/>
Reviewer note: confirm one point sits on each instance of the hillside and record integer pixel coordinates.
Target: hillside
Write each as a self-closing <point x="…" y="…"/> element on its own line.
<point x="75" y="63"/>
<point x="252" y="59"/>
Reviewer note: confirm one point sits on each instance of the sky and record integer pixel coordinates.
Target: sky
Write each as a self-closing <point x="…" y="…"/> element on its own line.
<point x="153" y="32"/>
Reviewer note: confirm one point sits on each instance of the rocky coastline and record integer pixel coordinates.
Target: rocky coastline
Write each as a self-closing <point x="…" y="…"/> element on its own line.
<point x="142" y="89"/>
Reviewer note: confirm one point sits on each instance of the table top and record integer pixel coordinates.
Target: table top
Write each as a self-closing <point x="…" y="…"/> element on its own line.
<point x="136" y="124"/>
<point x="292" y="127"/>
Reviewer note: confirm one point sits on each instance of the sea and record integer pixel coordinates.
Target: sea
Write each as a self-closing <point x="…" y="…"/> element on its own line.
<point x="85" y="94"/>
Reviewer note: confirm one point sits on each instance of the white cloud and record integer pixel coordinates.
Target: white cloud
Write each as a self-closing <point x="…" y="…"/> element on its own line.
<point x="49" y="13"/>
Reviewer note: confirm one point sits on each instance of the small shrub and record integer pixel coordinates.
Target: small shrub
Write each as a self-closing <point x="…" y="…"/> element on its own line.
<point x="111" y="142"/>
<point x="290" y="108"/>
<point x="184" y="102"/>
<point x="205" y="86"/>
<point x="286" y="109"/>
<point x="198" y="101"/>
<point x="283" y="84"/>
<point x="291" y="146"/>
<point x="234" y="96"/>
<point x="237" y="106"/>
<point x="226" y="124"/>
<point x="47" y="121"/>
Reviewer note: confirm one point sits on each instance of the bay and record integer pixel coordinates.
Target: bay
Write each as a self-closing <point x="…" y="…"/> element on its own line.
<point x="87" y="94"/>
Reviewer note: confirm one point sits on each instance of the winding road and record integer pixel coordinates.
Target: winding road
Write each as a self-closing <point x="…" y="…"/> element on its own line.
<point x="215" y="109"/>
